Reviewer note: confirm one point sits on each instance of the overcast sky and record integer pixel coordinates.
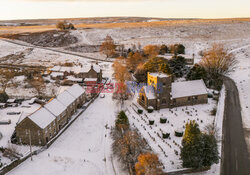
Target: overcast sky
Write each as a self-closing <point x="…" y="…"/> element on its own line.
<point x="33" y="9"/>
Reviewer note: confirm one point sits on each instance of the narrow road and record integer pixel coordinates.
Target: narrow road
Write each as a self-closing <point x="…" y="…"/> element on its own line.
<point x="54" y="50"/>
<point x="235" y="156"/>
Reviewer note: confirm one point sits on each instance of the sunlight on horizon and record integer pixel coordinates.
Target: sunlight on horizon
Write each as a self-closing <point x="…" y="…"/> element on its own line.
<point x="37" y="9"/>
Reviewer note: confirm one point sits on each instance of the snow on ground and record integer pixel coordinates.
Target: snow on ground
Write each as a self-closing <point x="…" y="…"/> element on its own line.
<point x="7" y="130"/>
<point x="176" y="120"/>
<point x="241" y="76"/>
<point x="81" y="149"/>
<point x="7" y="49"/>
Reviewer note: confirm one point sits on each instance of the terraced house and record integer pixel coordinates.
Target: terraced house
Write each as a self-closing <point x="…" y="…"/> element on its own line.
<point x="42" y="125"/>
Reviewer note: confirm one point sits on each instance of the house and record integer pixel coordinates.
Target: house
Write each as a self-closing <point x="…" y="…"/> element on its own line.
<point x="66" y="70"/>
<point x="79" y="93"/>
<point x="42" y="125"/>
<point x="69" y="101"/>
<point x="39" y="128"/>
<point x="55" y="69"/>
<point x="93" y="71"/>
<point x="90" y="81"/>
<point x="189" y="59"/>
<point x="59" y="111"/>
<point x="160" y="92"/>
<point x="70" y="80"/>
<point x="57" y="76"/>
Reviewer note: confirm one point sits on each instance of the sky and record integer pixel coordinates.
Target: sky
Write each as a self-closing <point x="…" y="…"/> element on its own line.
<point x="42" y="9"/>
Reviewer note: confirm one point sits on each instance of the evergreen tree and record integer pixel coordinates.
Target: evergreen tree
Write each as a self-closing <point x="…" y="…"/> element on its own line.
<point x="198" y="149"/>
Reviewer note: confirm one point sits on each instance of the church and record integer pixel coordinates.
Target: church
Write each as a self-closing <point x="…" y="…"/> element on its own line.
<point x="161" y="92"/>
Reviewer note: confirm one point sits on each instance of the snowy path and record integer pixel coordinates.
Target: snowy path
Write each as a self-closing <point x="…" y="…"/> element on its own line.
<point x="81" y="149"/>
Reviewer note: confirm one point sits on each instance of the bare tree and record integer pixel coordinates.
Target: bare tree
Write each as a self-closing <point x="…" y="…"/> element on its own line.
<point x="128" y="148"/>
<point x="5" y="76"/>
<point x="108" y="47"/>
<point x="218" y="61"/>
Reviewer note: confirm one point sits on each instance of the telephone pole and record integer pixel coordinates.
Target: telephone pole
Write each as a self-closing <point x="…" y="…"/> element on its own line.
<point x="30" y="146"/>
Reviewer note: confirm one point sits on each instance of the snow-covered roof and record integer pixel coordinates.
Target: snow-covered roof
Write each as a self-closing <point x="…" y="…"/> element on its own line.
<point x="65" y="69"/>
<point x="66" y="98"/>
<point x="97" y="68"/>
<point x="188" y="88"/>
<point x="42" y="117"/>
<point x="186" y="56"/>
<point x="76" y="69"/>
<point x="76" y="90"/>
<point x="84" y="69"/>
<point x="55" y="74"/>
<point x="160" y="75"/>
<point x="55" y="107"/>
<point x="168" y="57"/>
<point x="149" y="91"/>
<point x="55" y="68"/>
<point x="90" y="79"/>
<point x="72" y="78"/>
<point x="11" y="100"/>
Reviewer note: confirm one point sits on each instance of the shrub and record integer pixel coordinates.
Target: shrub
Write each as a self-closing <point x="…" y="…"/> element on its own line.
<point x="151" y="122"/>
<point x="140" y="111"/>
<point x="122" y="121"/>
<point x="214" y="110"/>
<point x="163" y="120"/>
<point x="210" y="95"/>
<point x="178" y="134"/>
<point x="3" y="97"/>
<point x="150" y="110"/>
<point x="165" y="135"/>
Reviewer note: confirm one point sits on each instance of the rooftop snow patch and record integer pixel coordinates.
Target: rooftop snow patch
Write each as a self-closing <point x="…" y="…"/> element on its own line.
<point x="66" y="98"/>
<point x="188" y="88"/>
<point x="66" y="69"/>
<point x="90" y="79"/>
<point x="55" y="68"/>
<point x="76" y="90"/>
<point x="160" y="75"/>
<point x="42" y="117"/>
<point x="55" y="107"/>
<point x="149" y="91"/>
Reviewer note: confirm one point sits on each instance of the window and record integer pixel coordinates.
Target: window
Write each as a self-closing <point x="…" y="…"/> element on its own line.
<point x="174" y="100"/>
<point x="26" y="131"/>
<point x="189" y="98"/>
<point x="38" y="133"/>
<point x="196" y="97"/>
<point x="143" y="98"/>
<point x="164" y="101"/>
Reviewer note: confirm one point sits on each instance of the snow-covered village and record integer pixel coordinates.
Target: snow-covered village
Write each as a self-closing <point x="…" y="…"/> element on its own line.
<point x="125" y="96"/>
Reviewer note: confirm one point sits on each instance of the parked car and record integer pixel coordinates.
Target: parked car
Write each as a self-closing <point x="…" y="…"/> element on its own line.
<point x="102" y="95"/>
